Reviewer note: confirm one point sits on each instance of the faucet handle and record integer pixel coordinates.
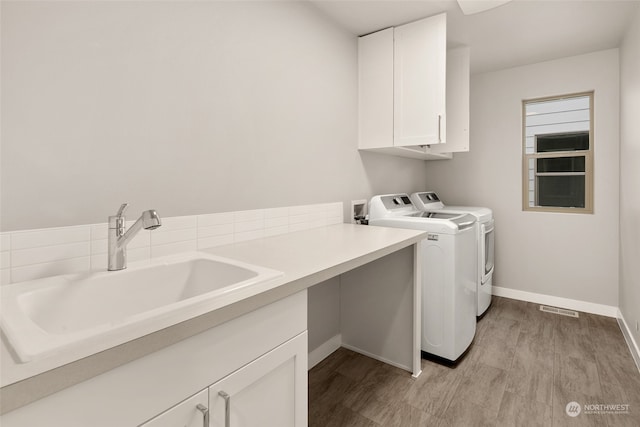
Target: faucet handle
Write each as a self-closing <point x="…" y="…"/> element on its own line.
<point x="122" y="209"/>
<point x="117" y="221"/>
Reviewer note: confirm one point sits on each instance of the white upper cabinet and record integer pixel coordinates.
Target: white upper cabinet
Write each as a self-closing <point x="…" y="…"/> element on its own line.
<point x="413" y="99"/>
<point x="419" y="82"/>
<point x="375" y="89"/>
<point x="457" y="103"/>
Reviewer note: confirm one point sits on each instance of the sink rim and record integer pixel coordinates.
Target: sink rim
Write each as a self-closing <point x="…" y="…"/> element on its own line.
<point x="16" y="323"/>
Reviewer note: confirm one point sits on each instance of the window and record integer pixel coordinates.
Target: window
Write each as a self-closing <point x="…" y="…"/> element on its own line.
<point x="558" y="154"/>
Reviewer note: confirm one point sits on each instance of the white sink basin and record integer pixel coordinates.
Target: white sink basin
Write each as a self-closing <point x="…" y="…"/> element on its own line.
<point x="75" y="312"/>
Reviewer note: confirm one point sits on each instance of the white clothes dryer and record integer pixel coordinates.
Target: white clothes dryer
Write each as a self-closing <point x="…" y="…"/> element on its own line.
<point x="448" y="273"/>
<point x="428" y="201"/>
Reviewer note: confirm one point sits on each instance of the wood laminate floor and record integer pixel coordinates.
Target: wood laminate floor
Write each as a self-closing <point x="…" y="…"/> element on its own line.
<point x="523" y="368"/>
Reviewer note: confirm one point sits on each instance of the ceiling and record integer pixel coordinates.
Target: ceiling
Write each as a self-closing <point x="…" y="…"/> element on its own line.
<point x="517" y="33"/>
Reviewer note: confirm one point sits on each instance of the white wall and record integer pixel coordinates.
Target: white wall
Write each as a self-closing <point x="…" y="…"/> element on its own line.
<point x="184" y="107"/>
<point x="324" y="312"/>
<point x="630" y="177"/>
<point x="565" y="255"/>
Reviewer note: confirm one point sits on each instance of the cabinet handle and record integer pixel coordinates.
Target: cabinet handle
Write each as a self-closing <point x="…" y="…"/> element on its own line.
<point x="227" y="408"/>
<point x="439" y="128"/>
<point x="205" y="414"/>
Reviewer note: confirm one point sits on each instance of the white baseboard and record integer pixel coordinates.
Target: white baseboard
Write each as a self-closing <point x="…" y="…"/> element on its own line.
<point x="374" y="356"/>
<point x="332" y="344"/>
<point x="324" y="350"/>
<point x="572" y="304"/>
<point x="628" y="336"/>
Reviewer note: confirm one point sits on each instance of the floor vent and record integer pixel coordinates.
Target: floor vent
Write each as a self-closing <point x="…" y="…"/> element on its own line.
<point x="561" y="311"/>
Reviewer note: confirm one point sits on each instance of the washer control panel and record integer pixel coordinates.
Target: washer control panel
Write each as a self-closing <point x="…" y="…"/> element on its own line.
<point x="401" y="200"/>
<point x="397" y="201"/>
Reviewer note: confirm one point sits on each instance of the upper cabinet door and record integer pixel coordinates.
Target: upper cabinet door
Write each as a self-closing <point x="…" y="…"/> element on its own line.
<point x="375" y="89"/>
<point x="419" y="82"/>
<point x="457" y="103"/>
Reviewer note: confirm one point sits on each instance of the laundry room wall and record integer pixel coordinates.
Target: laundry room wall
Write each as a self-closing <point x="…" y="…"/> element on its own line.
<point x="184" y="107"/>
<point x="630" y="177"/>
<point x="571" y="256"/>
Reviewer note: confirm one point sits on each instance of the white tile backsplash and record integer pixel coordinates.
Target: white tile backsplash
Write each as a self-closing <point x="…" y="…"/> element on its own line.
<point x="163" y="237"/>
<point x="312" y="218"/>
<point x="5" y="259"/>
<point x="5" y="276"/>
<point x="275" y="231"/>
<point x="301" y="226"/>
<point x="334" y="213"/>
<point x="304" y="209"/>
<point x="254" y="215"/>
<point x="299" y="218"/>
<point x="178" y="223"/>
<point x="276" y="213"/>
<point x="49" y="237"/>
<point x="242" y="226"/>
<point x="248" y="235"/>
<point x="39" y="255"/>
<point x="33" y="254"/>
<point x="99" y="261"/>
<point x="173" y="248"/>
<point x="215" y="230"/>
<point x="280" y="221"/>
<point x="215" y="219"/>
<point x="5" y="242"/>
<point x="100" y="231"/>
<point x="210" y="242"/>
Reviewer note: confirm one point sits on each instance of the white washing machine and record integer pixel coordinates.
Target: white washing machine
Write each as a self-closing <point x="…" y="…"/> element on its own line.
<point x="448" y="272"/>
<point x="429" y="201"/>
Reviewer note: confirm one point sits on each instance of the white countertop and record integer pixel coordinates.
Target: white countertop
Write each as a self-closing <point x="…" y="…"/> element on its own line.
<point x="314" y="255"/>
<point x="306" y="258"/>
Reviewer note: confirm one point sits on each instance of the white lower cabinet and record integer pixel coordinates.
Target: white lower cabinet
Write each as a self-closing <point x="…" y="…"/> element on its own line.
<point x="193" y="412"/>
<point x="271" y="391"/>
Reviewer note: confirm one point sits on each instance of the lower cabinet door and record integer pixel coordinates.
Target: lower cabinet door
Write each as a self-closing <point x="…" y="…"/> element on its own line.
<point x="271" y="391"/>
<point x="193" y="412"/>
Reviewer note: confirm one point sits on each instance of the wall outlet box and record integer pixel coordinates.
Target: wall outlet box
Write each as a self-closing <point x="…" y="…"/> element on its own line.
<point x="358" y="209"/>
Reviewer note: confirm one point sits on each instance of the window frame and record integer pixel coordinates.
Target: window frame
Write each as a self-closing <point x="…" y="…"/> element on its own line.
<point x="588" y="155"/>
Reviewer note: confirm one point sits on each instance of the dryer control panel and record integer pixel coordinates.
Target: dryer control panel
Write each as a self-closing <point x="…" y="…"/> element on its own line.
<point x="426" y="200"/>
<point x="429" y="196"/>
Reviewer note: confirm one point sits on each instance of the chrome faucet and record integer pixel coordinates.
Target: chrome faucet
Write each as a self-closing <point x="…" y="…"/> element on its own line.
<point x="118" y="238"/>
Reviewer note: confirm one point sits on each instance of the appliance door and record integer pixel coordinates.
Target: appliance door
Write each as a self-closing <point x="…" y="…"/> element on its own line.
<point x="487" y="248"/>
